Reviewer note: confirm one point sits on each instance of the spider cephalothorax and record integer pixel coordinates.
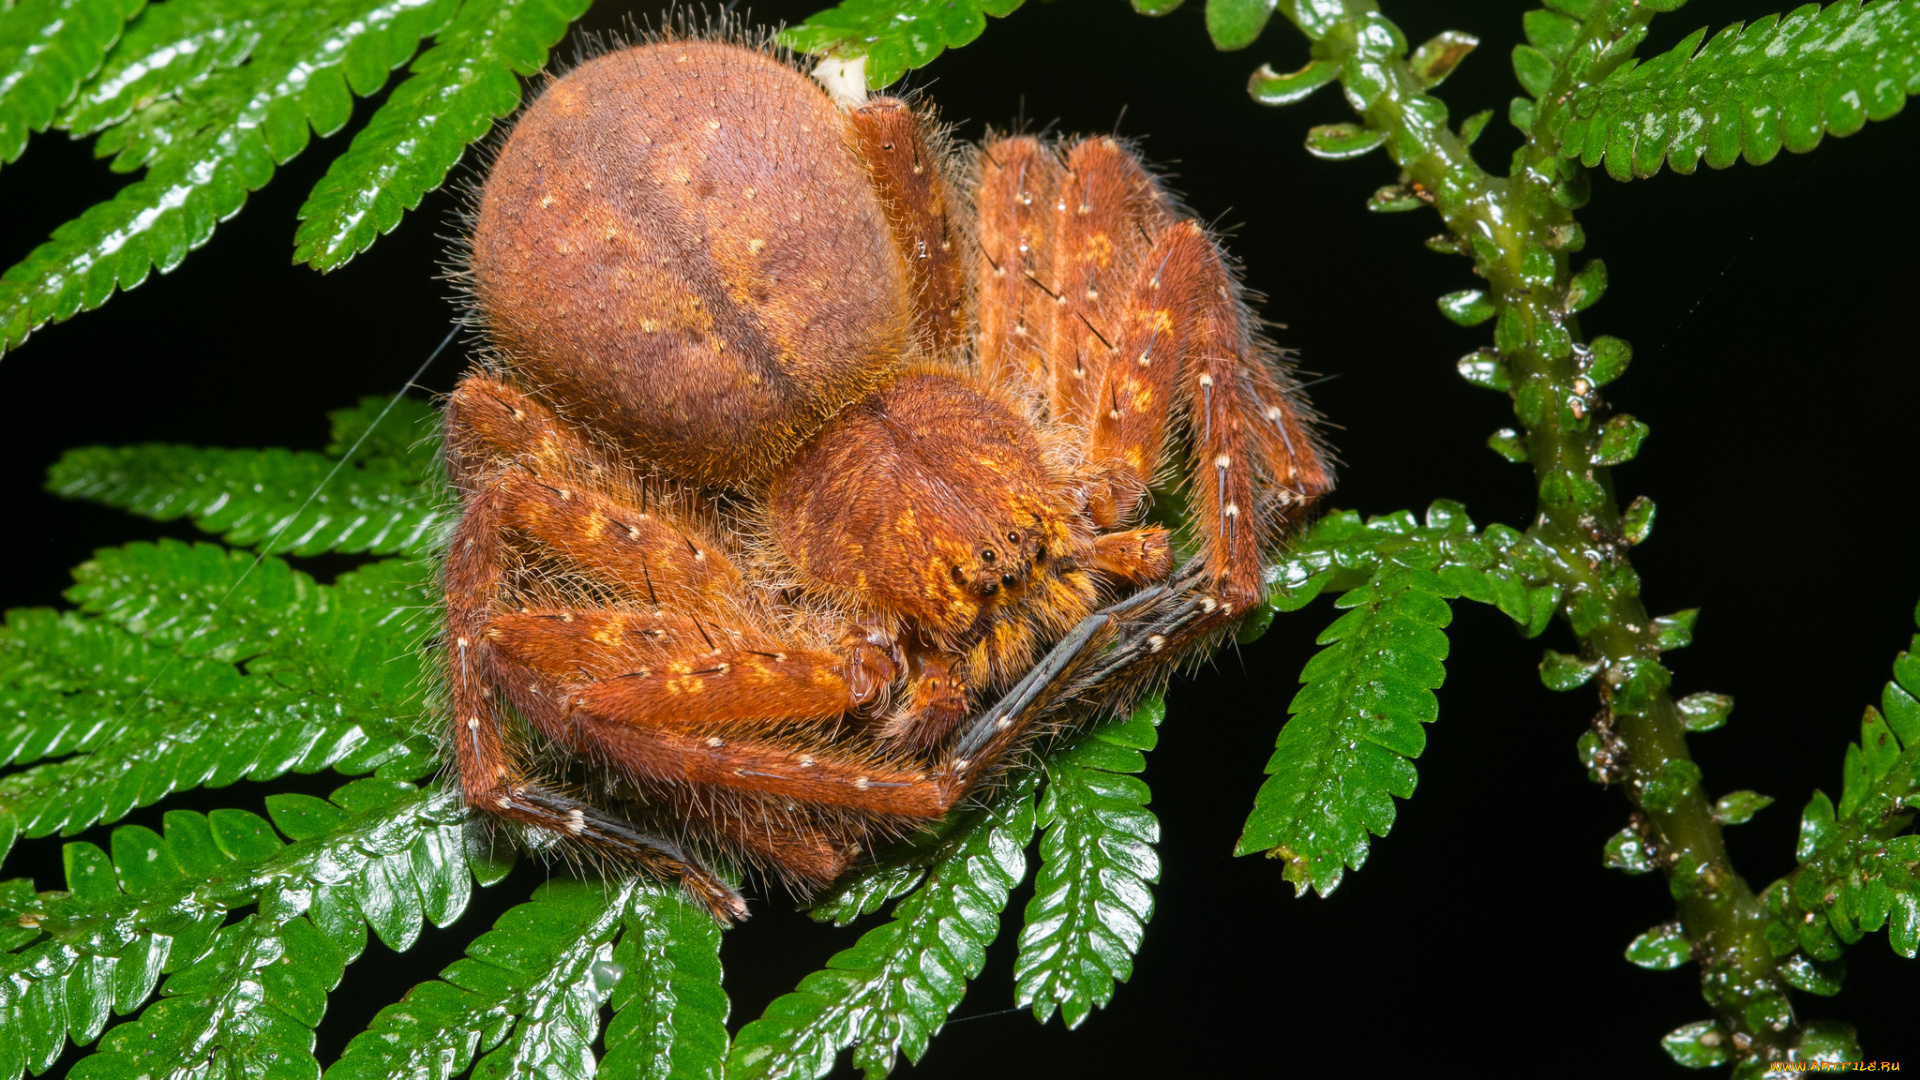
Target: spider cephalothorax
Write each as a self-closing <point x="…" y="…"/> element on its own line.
<point x="804" y="437"/>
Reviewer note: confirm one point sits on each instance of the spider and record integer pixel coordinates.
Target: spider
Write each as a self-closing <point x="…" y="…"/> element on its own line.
<point x="804" y="435"/>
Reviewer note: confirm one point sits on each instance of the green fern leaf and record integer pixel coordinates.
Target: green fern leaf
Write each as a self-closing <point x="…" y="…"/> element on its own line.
<point x="206" y="149"/>
<point x="1859" y="864"/>
<point x="181" y="672"/>
<point x="893" y="989"/>
<point x="1355" y="725"/>
<point x="219" y="1022"/>
<point x="167" y="48"/>
<point x="558" y="1011"/>
<point x="286" y="502"/>
<point x="1783" y="81"/>
<point x="399" y="429"/>
<point x="670" y="1013"/>
<point x="21" y="909"/>
<point x="247" y="1005"/>
<point x="894" y="35"/>
<point x="1091" y="897"/>
<point x="1331" y="780"/>
<point x="244" y="998"/>
<point x="898" y="871"/>
<point x="527" y="996"/>
<point x="1235" y="24"/>
<point x="1501" y="566"/>
<point x="867" y="893"/>
<point x="455" y="93"/>
<point x="47" y="48"/>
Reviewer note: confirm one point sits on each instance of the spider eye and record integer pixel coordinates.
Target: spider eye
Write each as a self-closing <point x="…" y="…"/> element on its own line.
<point x="986" y="555"/>
<point x="958" y="577"/>
<point x="1040" y="553"/>
<point x="1013" y="538"/>
<point x="1008" y="580"/>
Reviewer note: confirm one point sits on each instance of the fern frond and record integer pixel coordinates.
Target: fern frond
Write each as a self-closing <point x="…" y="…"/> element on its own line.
<point x="897" y="871"/>
<point x="380" y="503"/>
<point x="205" y="149"/>
<point x="1783" y="81"/>
<point x="456" y="91"/>
<point x="894" y="35"/>
<point x="243" y="999"/>
<point x="22" y="909"/>
<point x="893" y="989"/>
<point x="175" y="677"/>
<point x="864" y="894"/>
<point x="1091" y="897"/>
<point x="1355" y="725"/>
<point x="527" y="996"/>
<point x="401" y="430"/>
<point x="565" y="943"/>
<point x="167" y="48"/>
<point x="1859" y="865"/>
<point x="669" y="1011"/>
<point x="1232" y="24"/>
<point x="47" y="48"/>
<point x="1501" y="566"/>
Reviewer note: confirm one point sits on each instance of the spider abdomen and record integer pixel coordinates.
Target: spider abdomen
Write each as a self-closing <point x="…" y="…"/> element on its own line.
<point x="678" y="246"/>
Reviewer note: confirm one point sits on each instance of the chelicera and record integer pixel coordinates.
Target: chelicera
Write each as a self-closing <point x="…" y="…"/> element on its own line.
<point x="808" y="468"/>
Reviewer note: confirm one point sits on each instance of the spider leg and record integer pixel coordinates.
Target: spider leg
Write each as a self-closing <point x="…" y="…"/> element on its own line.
<point x="654" y="561"/>
<point x="686" y="583"/>
<point x="913" y="187"/>
<point x="658" y="856"/>
<point x="717" y="744"/>
<point x="491" y="425"/>
<point x="1108" y="210"/>
<point x="1188" y="350"/>
<point x="1297" y="475"/>
<point x="1167" y="326"/>
<point x="491" y="775"/>
<point x="569" y="660"/>
<point x="623" y="664"/>
<point x="985" y="743"/>
<point x="1255" y="467"/>
<point x="818" y="775"/>
<point x="559" y="489"/>
<point x="1017" y="190"/>
<point x="1171" y="617"/>
<point x="727" y="726"/>
<point x="832" y="776"/>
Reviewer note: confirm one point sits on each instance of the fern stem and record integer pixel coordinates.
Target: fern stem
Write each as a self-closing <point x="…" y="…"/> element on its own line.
<point x="1519" y="230"/>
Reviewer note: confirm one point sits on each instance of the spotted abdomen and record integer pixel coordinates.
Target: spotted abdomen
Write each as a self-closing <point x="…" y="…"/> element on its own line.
<point x="677" y="248"/>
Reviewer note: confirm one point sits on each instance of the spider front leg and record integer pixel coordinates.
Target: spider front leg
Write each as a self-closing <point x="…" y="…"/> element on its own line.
<point x="1186" y="348"/>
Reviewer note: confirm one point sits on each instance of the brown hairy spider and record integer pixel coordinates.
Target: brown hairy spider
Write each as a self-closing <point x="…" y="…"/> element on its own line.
<point x="804" y="436"/>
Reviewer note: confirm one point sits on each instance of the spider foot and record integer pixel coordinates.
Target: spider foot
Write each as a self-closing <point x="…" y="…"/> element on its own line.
<point x="619" y="839"/>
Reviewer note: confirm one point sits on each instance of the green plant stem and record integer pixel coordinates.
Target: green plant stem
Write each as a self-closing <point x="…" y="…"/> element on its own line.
<point x="1518" y="230"/>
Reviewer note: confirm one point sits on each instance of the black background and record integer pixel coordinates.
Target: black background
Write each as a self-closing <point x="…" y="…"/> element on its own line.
<point x="1769" y="313"/>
